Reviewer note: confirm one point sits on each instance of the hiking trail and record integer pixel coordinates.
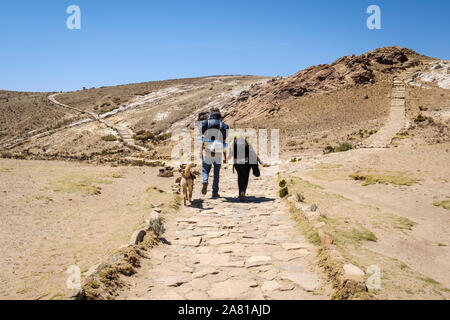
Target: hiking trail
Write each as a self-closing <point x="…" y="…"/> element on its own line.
<point x="396" y="119"/>
<point x="125" y="133"/>
<point x="226" y="249"/>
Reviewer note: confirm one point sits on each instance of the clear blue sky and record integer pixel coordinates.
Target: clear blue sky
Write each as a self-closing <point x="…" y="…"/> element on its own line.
<point x="142" y="40"/>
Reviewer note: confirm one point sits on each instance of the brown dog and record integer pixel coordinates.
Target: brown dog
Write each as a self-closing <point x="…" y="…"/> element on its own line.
<point x="187" y="183"/>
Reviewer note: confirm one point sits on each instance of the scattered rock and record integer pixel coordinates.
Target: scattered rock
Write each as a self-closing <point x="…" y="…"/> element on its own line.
<point x="300" y="197"/>
<point x="165" y="173"/>
<point x="319" y="225"/>
<point x="352" y="270"/>
<point x="76" y="294"/>
<point x="325" y="239"/>
<point x="138" y="236"/>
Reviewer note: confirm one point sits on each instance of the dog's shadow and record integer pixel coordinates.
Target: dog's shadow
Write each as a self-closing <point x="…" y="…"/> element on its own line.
<point x="199" y="204"/>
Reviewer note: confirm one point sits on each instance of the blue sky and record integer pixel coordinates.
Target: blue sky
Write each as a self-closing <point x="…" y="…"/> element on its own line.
<point x="143" y="40"/>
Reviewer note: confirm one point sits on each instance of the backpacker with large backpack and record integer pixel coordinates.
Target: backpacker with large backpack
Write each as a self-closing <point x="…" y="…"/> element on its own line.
<point x="214" y="133"/>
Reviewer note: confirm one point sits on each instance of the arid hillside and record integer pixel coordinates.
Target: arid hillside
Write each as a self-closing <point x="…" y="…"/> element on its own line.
<point x="27" y="113"/>
<point x="361" y="188"/>
<point x="322" y="106"/>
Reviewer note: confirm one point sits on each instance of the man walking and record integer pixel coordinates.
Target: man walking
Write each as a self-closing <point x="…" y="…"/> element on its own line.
<point x="214" y="136"/>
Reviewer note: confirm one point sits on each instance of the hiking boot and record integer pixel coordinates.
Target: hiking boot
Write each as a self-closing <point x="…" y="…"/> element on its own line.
<point x="242" y="196"/>
<point x="215" y="196"/>
<point x="205" y="188"/>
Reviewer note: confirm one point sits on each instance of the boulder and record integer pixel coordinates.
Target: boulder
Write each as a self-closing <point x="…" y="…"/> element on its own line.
<point x="138" y="236"/>
<point x="165" y="173"/>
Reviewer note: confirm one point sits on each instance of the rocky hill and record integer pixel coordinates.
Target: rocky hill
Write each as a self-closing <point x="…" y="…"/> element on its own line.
<point x="345" y="72"/>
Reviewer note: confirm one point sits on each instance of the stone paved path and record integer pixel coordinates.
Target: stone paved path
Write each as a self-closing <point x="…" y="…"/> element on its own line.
<point x="225" y="249"/>
<point x="396" y="119"/>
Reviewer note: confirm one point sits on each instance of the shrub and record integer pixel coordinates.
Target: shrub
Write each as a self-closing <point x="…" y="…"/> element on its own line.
<point x="282" y="183"/>
<point x="109" y="137"/>
<point x="340" y="148"/>
<point x="420" y="118"/>
<point x="116" y="100"/>
<point x="283" y="192"/>
<point x="343" y="147"/>
<point x="328" y="149"/>
<point x="144" y="135"/>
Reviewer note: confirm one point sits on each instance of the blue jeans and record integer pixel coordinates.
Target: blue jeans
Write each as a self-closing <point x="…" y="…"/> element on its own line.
<point x="206" y="168"/>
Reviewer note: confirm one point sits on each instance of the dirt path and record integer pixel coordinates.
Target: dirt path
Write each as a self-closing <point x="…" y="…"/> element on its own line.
<point x="125" y="133"/>
<point x="395" y="121"/>
<point x="225" y="249"/>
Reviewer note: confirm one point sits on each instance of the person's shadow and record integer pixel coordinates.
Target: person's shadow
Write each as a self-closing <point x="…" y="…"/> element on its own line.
<point x="249" y="199"/>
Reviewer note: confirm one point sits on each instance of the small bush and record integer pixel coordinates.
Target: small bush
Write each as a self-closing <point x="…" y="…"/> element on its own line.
<point x="116" y="100"/>
<point x="144" y="136"/>
<point x="19" y="156"/>
<point x="341" y="148"/>
<point x="109" y="137"/>
<point x="420" y="118"/>
<point x="328" y="149"/>
<point x="108" y="109"/>
<point x="283" y="192"/>
<point x="282" y="183"/>
<point x="143" y="93"/>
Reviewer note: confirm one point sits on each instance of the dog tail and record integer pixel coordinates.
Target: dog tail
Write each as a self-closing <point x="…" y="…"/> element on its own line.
<point x="187" y="172"/>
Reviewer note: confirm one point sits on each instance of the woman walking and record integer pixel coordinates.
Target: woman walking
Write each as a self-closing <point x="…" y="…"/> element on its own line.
<point x="245" y="159"/>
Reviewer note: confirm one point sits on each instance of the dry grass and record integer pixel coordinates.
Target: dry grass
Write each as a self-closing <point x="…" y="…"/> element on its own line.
<point x="69" y="227"/>
<point x="79" y="184"/>
<point x="109" y="138"/>
<point x="5" y="169"/>
<point x="25" y="112"/>
<point x="386" y="177"/>
<point x="443" y="204"/>
<point x="353" y="226"/>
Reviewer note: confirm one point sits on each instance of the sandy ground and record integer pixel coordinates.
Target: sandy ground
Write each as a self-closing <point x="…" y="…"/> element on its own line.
<point x="50" y="220"/>
<point x="424" y="248"/>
